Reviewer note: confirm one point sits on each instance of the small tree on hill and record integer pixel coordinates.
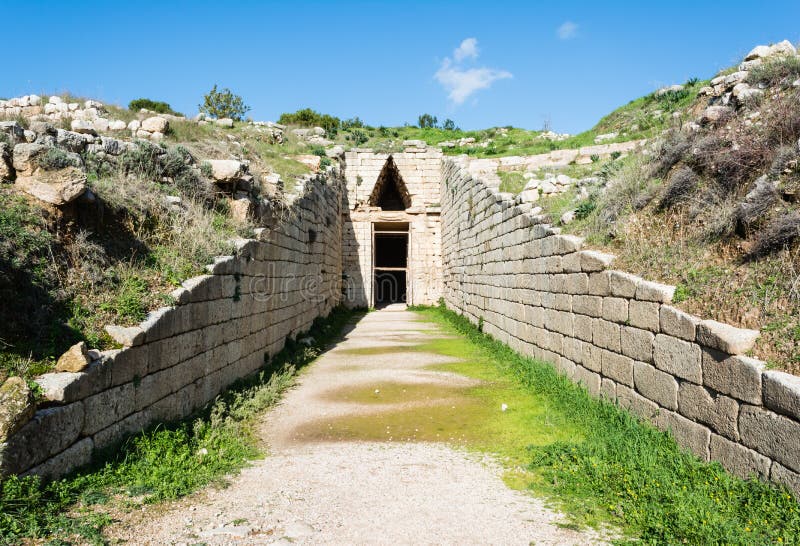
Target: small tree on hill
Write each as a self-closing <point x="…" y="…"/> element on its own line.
<point x="426" y="121"/>
<point x="223" y="104"/>
<point x="449" y="125"/>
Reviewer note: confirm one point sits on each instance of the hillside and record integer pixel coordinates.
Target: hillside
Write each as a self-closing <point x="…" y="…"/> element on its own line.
<point x="712" y="205"/>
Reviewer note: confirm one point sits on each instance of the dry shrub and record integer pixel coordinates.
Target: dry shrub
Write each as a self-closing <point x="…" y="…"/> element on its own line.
<point x="780" y="234"/>
<point x="629" y="186"/>
<point x="714" y="212"/>
<point x="757" y="203"/>
<point x="189" y="231"/>
<point x="671" y="150"/>
<point x="682" y="183"/>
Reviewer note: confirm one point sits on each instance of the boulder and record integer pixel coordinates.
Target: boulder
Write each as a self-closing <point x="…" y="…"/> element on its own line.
<point x="225" y="122"/>
<point x="134" y="125"/>
<point x="16" y="406"/>
<point x="74" y="142"/>
<point x="757" y="53"/>
<point x="156" y="124"/>
<point x="100" y="124"/>
<point x="43" y="128"/>
<point x="75" y="359"/>
<point x="57" y="187"/>
<point x="83" y="127"/>
<point x="6" y="168"/>
<point x="568" y="217"/>
<point x="117" y="125"/>
<point x="241" y="209"/>
<point x="13" y="129"/>
<point x="25" y="156"/>
<point x="716" y="114"/>
<point x="226" y="170"/>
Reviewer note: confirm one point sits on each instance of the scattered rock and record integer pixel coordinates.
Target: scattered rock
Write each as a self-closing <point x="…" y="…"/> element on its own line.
<point x="226" y="170"/>
<point x="74" y="360"/>
<point x="83" y="127"/>
<point x="716" y="114"/>
<point x="568" y="217"/>
<point x="156" y="124"/>
<point x="16" y="406"/>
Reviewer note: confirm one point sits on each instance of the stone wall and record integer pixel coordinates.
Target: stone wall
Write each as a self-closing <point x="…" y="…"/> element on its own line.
<point x="224" y="326"/>
<point x="541" y="293"/>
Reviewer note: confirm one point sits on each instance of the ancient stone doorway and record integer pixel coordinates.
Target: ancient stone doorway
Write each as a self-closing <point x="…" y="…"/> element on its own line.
<point x="390" y="263"/>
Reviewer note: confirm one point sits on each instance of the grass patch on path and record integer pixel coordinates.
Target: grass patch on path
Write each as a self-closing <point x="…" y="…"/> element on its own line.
<point x="164" y="463"/>
<point x="618" y="469"/>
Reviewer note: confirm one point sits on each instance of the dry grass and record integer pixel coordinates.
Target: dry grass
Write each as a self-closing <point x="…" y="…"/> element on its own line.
<point x="713" y="281"/>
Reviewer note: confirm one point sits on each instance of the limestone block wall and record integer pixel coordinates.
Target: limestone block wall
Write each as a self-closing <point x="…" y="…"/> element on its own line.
<point x="419" y="167"/>
<point x="541" y="293"/>
<point x="357" y="262"/>
<point x="224" y="326"/>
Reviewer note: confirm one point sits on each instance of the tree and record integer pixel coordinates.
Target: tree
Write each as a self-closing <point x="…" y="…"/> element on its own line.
<point x="427" y="121"/>
<point x="224" y="104"/>
<point x="449" y="125"/>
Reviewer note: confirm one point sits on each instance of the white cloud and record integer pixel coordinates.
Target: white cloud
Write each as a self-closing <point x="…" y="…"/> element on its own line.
<point x="567" y="30"/>
<point x="460" y="81"/>
<point x="467" y="50"/>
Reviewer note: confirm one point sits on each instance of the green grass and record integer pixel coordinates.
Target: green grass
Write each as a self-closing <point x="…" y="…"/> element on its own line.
<point x="622" y="471"/>
<point x="512" y="182"/>
<point x="164" y="463"/>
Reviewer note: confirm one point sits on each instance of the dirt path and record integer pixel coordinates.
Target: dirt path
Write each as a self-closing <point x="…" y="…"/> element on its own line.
<point x="321" y="484"/>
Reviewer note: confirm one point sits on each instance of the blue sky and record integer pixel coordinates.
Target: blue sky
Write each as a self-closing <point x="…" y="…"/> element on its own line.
<point x="480" y="63"/>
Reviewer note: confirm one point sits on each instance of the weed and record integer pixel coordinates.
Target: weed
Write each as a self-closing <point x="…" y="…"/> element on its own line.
<point x="152" y="105"/>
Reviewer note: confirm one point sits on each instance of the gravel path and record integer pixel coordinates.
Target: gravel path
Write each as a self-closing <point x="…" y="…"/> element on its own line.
<point x="317" y="490"/>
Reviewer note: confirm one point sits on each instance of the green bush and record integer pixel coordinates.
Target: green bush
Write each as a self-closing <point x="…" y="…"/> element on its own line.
<point x="307" y="117"/>
<point x="223" y="104"/>
<point x="152" y="105"/>
<point x="56" y="158"/>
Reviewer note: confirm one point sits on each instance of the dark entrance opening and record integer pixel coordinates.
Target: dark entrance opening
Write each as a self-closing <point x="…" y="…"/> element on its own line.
<point x="390" y="192"/>
<point x="390" y="266"/>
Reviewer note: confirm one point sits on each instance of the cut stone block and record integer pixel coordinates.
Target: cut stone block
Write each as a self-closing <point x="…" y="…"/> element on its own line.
<point x="737" y="459"/>
<point x="678" y="357"/>
<point x="592" y="260"/>
<point x="725" y="338"/>
<point x="770" y="434"/>
<point x="736" y="376"/>
<point x="617" y="367"/>
<point x="719" y="412"/>
<point x="637" y="404"/>
<point x="623" y="284"/>
<point x="782" y="393"/>
<point x="658" y="386"/>
<point x="637" y="344"/>
<point x="688" y="434"/>
<point x="644" y="315"/>
<point x="678" y="324"/>
<point x="653" y="291"/>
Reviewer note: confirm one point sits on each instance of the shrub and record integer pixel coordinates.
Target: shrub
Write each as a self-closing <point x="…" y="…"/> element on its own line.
<point x="224" y="104"/>
<point x="152" y="105"/>
<point x="785" y="155"/>
<point x="781" y="233"/>
<point x="682" y="183"/>
<point x="449" y="125"/>
<point x="775" y="70"/>
<point x="756" y="205"/>
<point x="352" y="123"/>
<point x="56" y="158"/>
<point x="672" y="149"/>
<point x="359" y="137"/>
<point x="142" y="160"/>
<point x="311" y="118"/>
<point x="585" y="208"/>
